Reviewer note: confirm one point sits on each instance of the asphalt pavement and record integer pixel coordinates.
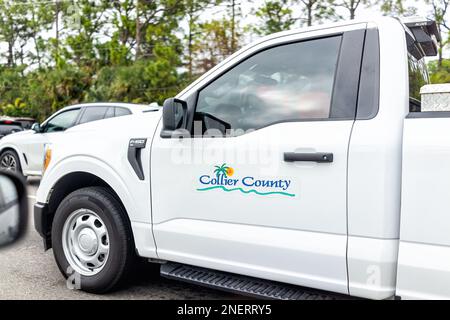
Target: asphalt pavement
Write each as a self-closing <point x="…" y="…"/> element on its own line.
<point x="27" y="272"/>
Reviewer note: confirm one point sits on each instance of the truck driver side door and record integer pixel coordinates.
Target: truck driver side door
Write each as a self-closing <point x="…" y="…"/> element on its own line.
<point x="260" y="188"/>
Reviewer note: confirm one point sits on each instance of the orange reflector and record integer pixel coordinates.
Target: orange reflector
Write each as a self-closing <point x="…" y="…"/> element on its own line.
<point x="47" y="158"/>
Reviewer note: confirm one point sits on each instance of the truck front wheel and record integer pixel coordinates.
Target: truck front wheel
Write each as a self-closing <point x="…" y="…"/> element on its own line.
<point x="92" y="240"/>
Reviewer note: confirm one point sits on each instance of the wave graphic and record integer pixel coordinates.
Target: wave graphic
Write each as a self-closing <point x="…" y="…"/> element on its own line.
<point x="247" y="191"/>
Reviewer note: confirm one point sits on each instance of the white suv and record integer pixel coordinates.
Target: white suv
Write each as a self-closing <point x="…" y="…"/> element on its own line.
<point x="24" y="151"/>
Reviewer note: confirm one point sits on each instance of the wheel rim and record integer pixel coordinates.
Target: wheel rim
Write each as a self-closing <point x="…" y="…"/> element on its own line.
<point x="85" y="242"/>
<point x="8" y="162"/>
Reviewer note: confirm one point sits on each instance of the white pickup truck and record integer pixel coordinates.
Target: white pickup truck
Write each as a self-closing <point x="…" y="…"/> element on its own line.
<point x="303" y="166"/>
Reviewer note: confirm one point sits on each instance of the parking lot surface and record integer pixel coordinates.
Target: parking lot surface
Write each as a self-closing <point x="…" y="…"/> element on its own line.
<point x="27" y="272"/>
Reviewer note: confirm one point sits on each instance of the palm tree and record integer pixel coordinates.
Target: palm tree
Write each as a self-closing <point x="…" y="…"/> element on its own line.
<point x="223" y="169"/>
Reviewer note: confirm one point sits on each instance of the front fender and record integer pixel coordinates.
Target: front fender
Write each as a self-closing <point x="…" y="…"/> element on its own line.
<point x="134" y="194"/>
<point x="137" y="204"/>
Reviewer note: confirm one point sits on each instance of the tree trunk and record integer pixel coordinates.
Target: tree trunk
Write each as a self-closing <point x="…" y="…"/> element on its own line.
<point x="11" y="54"/>
<point x="352" y="9"/>
<point x="233" y="26"/>
<point x="36" y="46"/>
<point x="138" y="31"/>
<point x="190" y="39"/>
<point x="57" y="28"/>
<point x="309" y="22"/>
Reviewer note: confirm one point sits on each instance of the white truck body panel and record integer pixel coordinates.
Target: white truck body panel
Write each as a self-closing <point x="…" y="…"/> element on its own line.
<point x="424" y="258"/>
<point x="315" y="215"/>
<point x="374" y="174"/>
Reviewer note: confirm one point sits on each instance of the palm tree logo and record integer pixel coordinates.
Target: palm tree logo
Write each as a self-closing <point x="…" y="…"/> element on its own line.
<point x="224" y="170"/>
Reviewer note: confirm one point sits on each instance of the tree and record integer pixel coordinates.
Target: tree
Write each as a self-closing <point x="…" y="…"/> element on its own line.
<point x="216" y="44"/>
<point x="12" y="26"/>
<point x="82" y="41"/>
<point x="193" y="10"/>
<point x="274" y="16"/>
<point x="396" y="8"/>
<point x="158" y="21"/>
<point x="40" y="20"/>
<point x="439" y="13"/>
<point x="351" y="6"/>
<point x="439" y="73"/>
<point x="317" y="11"/>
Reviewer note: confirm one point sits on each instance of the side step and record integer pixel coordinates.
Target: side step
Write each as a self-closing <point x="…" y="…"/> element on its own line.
<point x="247" y="286"/>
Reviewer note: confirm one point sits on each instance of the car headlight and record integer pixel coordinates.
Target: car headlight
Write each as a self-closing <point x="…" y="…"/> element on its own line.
<point x="47" y="156"/>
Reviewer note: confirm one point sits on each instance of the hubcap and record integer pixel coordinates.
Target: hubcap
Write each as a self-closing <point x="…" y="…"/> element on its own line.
<point x="85" y="242"/>
<point x="8" y="162"/>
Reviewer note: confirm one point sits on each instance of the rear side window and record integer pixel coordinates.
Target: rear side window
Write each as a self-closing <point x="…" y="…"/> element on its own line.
<point x="418" y="77"/>
<point x="122" y="112"/>
<point x="93" y="114"/>
<point x="290" y="82"/>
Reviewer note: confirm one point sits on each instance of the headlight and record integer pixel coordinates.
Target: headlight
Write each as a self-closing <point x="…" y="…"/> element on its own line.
<point x="47" y="156"/>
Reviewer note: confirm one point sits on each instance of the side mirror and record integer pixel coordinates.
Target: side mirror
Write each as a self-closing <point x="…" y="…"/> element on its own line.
<point x="13" y="208"/>
<point x="36" y="127"/>
<point x="174" y="117"/>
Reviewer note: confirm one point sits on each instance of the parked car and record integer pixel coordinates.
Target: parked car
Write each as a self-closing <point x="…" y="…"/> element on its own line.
<point x="23" y="152"/>
<point x="25" y="122"/>
<point x="8" y="126"/>
<point x="298" y="162"/>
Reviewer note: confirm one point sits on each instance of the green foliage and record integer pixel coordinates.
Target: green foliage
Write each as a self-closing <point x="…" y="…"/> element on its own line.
<point x="439" y="74"/>
<point x="18" y="109"/>
<point x="274" y="16"/>
<point x="397" y="8"/>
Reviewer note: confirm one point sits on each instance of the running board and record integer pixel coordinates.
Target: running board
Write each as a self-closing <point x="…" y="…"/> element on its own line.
<point x="247" y="286"/>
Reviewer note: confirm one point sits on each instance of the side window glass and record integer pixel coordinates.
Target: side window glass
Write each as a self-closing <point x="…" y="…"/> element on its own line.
<point x="93" y="114"/>
<point x="122" y="112"/>
<point x="290" y="82"/>
<point x="62" y="121"/>
<point x="418" y="77"/>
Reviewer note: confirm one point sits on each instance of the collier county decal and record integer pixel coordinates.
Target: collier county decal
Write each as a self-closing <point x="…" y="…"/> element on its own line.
<point x="223" y="178"/>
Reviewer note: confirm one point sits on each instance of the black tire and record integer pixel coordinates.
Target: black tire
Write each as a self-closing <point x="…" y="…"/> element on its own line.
<point x="13" y="154"/>
<point x="122" y="255"/>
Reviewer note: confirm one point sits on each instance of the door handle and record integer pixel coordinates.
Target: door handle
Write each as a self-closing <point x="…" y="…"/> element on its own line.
<point x="319" y="157"/>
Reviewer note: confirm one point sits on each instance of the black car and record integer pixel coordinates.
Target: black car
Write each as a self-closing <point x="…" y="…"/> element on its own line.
<point x="9" y="126"/>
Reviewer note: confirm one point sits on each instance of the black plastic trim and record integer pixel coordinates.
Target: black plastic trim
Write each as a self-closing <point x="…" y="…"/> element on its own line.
<point x="369" y="86"/>
<point x="244" y="285"/>
<point x="309" y="157"/>
<point x="134" y="155"/>
<point x="345" y="91"/>
<point x="43" y="223"/>
<point x="428" y="114"/>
